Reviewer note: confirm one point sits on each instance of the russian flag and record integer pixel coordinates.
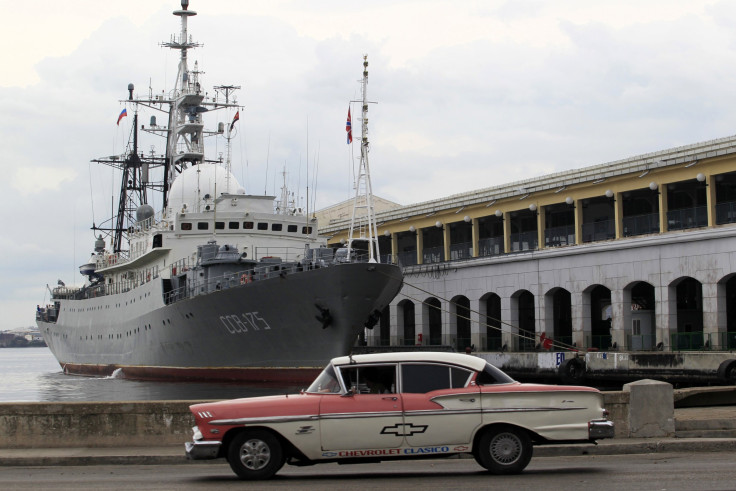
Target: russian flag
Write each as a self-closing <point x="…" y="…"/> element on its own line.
<point x="123" y="113"/>
<point x="349" y="128"/>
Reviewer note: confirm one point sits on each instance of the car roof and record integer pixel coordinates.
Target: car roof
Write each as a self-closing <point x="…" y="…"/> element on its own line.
<point x="467" y="361"/>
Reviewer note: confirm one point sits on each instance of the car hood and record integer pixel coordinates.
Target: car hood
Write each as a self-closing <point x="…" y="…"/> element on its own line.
<point x="258" y="407"/>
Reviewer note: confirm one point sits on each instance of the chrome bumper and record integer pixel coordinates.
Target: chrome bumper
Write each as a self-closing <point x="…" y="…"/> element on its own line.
<point x="599" y="429"/>
<point x="202" y="449"/>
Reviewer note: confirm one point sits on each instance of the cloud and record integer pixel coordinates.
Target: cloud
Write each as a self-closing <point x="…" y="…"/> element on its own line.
<point x="468" y="95"/>
<point x="39" y="179"/>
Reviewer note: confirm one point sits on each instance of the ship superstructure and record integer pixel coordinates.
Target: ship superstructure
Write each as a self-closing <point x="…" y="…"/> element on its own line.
<point x="218" y="283"/>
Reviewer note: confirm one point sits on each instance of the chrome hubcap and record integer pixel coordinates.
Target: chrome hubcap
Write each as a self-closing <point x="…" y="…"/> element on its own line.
<point x="255" y="454"/>
<point x="505" y="448"/>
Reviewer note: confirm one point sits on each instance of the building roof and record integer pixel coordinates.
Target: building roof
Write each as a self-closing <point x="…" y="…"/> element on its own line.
<point x="687" y="154"/>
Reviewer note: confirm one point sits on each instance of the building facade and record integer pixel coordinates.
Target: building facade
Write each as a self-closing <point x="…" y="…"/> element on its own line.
<point x="637" y="254"/>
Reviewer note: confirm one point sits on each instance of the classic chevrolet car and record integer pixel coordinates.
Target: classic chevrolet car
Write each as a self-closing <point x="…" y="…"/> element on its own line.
<point x="368" y="408"/>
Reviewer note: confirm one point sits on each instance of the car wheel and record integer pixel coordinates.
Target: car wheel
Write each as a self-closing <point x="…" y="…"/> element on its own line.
<point x="504" y="450"/>
<point x="255" y="454"/>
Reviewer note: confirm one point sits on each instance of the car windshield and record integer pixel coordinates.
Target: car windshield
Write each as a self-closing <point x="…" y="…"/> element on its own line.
<point x="326" y="383"/>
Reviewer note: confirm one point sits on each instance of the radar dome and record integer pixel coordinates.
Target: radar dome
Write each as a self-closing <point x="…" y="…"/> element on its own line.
<point x="144" y="212"/>
<point x="99" y="244"/>
<point x="203" y="178"/>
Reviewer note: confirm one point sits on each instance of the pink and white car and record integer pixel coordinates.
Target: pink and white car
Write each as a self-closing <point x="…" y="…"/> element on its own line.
<point x="398" y="406"/>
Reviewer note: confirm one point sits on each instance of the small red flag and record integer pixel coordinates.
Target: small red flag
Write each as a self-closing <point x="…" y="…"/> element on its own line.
<point x="237" y="117"/>
<point x="349" y="128"/>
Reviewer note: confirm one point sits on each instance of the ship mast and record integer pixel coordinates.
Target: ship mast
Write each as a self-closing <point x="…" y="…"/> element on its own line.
<point x="363" y="220"/>
<point x="227" y="90"/>
<point x="185" y="143"/>
<point x="184" y="136"/>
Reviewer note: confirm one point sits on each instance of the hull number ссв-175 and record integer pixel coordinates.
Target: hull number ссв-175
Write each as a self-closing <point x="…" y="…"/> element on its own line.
<point x="248" y="321"/>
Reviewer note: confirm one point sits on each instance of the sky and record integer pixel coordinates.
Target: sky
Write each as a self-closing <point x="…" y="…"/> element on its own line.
<point x="465" y="95"/>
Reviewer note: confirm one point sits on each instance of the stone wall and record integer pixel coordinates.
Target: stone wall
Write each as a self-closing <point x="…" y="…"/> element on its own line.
<point x="110" y="424"/>
<point x="94" y="424"/>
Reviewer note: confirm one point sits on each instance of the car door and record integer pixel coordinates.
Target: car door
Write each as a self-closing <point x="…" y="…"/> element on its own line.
<point x="441" y="407"/>
<point x="369" y="416"/>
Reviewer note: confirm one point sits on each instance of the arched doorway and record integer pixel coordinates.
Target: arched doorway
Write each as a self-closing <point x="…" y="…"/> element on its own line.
<point x="461" y="307"/>
<point x="689" y="301"/>
<point x="492" y="321"/>
<point x="640" y="324"/>
<point x="407" y="323"/>
<point x="731" y="313"/>
<point x="434" y="318"/>
<point x="601" y="317"/>
<point x="561" y="315"/>
<point x="525" y="319"/>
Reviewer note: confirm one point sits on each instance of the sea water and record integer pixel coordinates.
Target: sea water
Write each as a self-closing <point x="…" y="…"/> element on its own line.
<point x="33" y="374"/>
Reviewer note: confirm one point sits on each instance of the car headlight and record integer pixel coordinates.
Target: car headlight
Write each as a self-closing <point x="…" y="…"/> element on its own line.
<point x="196" y="433"/>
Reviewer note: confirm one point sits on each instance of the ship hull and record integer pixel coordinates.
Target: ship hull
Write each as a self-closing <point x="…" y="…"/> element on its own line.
<point x="282" y="329"/>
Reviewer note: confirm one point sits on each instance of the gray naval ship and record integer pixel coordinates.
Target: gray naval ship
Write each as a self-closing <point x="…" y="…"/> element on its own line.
<point x="218" y="284"/>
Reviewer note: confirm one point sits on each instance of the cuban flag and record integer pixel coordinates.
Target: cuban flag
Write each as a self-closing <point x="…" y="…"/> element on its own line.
<point x="237" y="117"/>
<point x="349" y="128"/>
<point x="123" y="113"/>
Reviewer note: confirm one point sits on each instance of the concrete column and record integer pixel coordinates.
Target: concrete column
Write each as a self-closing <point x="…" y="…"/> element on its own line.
<point x="578" y="324"/>
<point x="475" y="326"/>
<point x="625" y="319"/>
<point x="578" y="223"/>
<point x="395" y="248"/>
<point x="547" y="319"/>
<point x="540" y="227"/>
<point x="393" y="309"/>
<point x="476" y="237"/>
<point x="446" y="241"/>
<point x="618" y="333"/>
<point x="510" y="315"/>
<point x="618" y="214"/>
<point x="506" y="232"/>
<point x="397" y="332"/>
<point x="662" y="208"/>
<point x="710" y="315"/>
<point x="665" y="299"/>
<point x="420" y="246"/>
<point x="710" y="195"/>
<point x="721" y="314"/>
<point x="448" y="337"/>
<point x="421" y="320"/>
<point x="419" y="316"/>
<point x="481" y="308"/>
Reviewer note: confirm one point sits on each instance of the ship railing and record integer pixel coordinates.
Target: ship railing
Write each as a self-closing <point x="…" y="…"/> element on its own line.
<point x="65" y="292"/>
<point x="233" y="279"/>
<point x="285" y="254"/>
<point x="107" y="260"/>
<point x="361" y="256"/>
<point x="159" y="221"/>
<point x="272" y="265"/>
<point x="180" y="266"/>
<point x="122" y="286"/>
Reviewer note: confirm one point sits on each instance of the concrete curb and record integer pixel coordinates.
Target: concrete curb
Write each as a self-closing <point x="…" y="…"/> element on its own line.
<point x="639" y="446"/>
<point x="175" y="455"/>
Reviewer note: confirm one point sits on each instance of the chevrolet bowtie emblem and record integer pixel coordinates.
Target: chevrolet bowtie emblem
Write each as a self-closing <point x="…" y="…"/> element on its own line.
<point x="402" y="429"/>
